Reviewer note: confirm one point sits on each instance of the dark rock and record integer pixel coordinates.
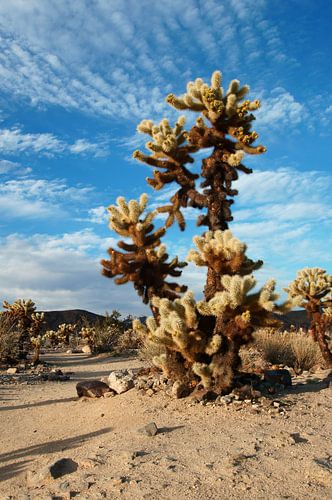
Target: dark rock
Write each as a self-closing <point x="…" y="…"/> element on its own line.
<point x="278" y="377"/>
<point x="296" y="438"/>
<point x="325" y="463"/>
<point x="36" y="479"/>
<point x="62" y="467"/>
<point x="92" y="389"/>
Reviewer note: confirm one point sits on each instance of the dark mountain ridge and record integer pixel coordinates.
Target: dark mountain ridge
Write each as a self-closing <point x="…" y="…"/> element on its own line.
<point x="55" y="318"/>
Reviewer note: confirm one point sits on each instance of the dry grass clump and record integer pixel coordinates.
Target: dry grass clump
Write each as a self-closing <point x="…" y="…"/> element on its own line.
<point x="102" y="336"/>
<point x="10" y="336"/>
<point x="252" y="359"/>
<point x="128" y="340"/>
<point x="295" y="349"/>
<point x="150" y="350"/>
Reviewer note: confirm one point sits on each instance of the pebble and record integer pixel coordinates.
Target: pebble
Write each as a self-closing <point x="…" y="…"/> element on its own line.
<point x="149" y="430"/>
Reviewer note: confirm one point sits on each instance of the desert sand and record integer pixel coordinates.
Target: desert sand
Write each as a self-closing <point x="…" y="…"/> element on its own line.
<point x="201" y="451"/>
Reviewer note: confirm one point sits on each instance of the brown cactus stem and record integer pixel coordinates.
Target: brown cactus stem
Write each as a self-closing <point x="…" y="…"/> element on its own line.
<point x="317" y="329"/>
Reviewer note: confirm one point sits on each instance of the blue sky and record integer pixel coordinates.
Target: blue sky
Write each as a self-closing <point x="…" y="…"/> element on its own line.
<point x="75" y="80"/>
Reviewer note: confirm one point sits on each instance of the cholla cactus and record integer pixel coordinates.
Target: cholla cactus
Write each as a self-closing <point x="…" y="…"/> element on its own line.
<point x="201" y="340"/>
<point x="145" y="263"/>
<point x="184" y="326"/>
<point x="88" y="334"/>
<point x="61" y="336"/>
<point x="312" y="289"/>
<point x="28" y="321"/>
<point x="65" y="331"/>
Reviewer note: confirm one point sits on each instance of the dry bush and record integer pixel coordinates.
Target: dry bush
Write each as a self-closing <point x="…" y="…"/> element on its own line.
<point x="129" y="339"/>
<point x="10" y="336"/>
<point x="252" y="359"/>
<point x="149" y="350"/>
<point x="104" y="334"/>
<point x="295" y="349"/>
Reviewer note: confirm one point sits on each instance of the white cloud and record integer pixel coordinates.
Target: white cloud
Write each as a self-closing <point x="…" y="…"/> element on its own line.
<point x="84" y="146"/>
<point x="7" y="166"/>
<point x="98" y="215"/>
<point x="38" y="198"/>
<point x="14" y="141"/>
<point x="280" y="108"/>
<point x="62" y="272"/>
<point x="284" y="183"/>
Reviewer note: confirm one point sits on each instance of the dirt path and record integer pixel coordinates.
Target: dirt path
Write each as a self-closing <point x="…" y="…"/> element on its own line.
<point x="200" y="452"/>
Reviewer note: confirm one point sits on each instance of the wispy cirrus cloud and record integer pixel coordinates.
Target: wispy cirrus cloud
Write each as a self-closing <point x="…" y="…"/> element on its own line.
<point x="15" y="141"/>
<point x="64" y="69"/>
<point x="13" y="168"/>
<point x="38" y="198"/>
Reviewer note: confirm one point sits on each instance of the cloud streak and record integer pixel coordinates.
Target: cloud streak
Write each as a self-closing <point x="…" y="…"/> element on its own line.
<point x="38" y="198"/>
<point x="14" y="141"/>
<point x="62" y="272"/>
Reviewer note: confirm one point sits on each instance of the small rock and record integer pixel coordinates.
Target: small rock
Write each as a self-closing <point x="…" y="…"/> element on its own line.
<point x="278" y="377"/>
<point x="296" y="438"/>
<point x="109" y="394"/>
<point x="150" y="392"/>
<point x="128" y="456"/>
<point x="325" y="463"/>
<point x="36" y="479"/>
<point x="12" y="371"/>
<point x="92" y="389"/>
<point x="179" y="390"/>
<point x="226" y="399"/>
<point x="86" y="349"/>
<point x="64" y="486"/>
<point x="120" y="381"/>
<point x="69" y="351"/>
<point x="149" y="430"/>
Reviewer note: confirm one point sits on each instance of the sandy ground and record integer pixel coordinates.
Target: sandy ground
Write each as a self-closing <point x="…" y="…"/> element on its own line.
<point x="200" y="452"/>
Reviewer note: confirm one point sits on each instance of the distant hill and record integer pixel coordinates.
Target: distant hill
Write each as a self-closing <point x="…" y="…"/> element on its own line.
<point x="296" y="318"/>
<point x="55" y="318"/>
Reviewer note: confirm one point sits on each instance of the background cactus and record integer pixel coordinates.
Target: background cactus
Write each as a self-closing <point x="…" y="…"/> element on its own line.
<point x="312" y="289"/>
<point x="28" y="322"/>
<point x="200" y="340"/>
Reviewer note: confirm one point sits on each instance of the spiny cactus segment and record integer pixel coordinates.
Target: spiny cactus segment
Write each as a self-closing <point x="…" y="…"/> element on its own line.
<point x="312" y="289"/>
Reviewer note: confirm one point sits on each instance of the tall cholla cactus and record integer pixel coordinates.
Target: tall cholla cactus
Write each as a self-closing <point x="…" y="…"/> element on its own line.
<point x="31" y="323"/>
<point x="312" y="289"/>
<point x="200" y="340"/>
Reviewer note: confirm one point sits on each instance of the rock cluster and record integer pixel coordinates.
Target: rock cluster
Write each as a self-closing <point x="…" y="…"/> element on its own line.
<point x="31" y="375"/>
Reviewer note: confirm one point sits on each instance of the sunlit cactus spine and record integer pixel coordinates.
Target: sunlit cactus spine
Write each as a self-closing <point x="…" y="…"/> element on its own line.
<point x="200" y="340"/>
<point x="312" y="289"/>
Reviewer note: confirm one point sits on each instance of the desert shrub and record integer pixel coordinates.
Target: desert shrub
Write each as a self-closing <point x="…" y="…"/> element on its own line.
<point x="252" y="359"/>
<point x="10" y="336"/>
<point x="149" y="351"/>
<point x="129" y="339"/>
<point x="295" y="349"/>
<point x="103" y="335"/>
